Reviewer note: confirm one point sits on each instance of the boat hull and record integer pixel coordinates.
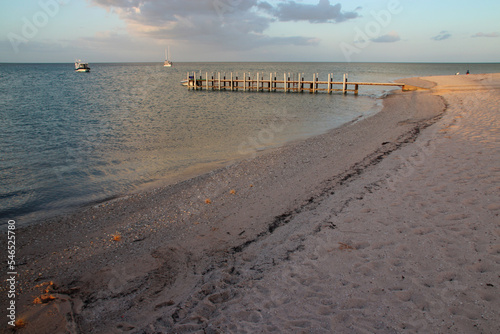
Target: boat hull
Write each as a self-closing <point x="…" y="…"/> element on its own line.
<point x="83" y="70"/>
<point x="190" y="82"/>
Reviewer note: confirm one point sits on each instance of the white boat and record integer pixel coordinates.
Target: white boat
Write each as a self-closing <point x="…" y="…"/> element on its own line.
<point x="167" y="62"/>
<point x="191" y="81"/>
<point x="81" y="67"/>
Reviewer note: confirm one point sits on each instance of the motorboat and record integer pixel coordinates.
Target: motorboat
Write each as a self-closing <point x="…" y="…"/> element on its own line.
<point x="81" y="67"/>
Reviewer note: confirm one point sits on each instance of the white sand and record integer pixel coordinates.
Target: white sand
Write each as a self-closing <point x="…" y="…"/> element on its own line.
<point x="424" y="226"/>
<point x="377" y="227"/>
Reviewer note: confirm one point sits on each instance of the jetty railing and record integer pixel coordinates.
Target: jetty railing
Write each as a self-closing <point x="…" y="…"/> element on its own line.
<point x="273" y="83"/>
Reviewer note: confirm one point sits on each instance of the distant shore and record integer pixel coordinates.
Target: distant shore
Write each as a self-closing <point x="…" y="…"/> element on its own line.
<point x="329" y="232"/>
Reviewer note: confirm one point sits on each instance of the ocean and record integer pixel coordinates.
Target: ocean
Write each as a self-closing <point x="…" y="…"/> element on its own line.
<point x="72" y="139"/>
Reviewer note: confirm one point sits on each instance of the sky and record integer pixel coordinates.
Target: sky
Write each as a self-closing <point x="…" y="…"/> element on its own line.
<point x="60" y="31"/>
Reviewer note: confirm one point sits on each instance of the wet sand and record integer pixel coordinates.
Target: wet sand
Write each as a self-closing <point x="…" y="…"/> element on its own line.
<point x="389" y="224"/>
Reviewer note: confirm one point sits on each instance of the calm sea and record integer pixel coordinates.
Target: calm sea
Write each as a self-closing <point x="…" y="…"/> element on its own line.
<point x="70" y="139"/>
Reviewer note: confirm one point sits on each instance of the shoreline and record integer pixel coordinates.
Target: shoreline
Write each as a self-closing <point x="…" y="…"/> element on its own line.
<point x="257" y="147"/>
<point x="201" y="171"/>
<point x="186" y="240"/>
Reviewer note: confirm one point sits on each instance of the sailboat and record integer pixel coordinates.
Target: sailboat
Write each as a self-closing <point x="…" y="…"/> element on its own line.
<point x="167" y="62"/>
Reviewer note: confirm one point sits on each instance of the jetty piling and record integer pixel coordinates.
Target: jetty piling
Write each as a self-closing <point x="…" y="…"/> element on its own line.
<point x="290" y="83"/>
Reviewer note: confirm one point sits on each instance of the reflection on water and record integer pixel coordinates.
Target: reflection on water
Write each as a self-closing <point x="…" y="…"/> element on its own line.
<point x="73" y="138"/>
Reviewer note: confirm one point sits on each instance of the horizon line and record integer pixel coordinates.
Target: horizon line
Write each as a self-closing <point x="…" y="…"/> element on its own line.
<point x="260" y="62"/>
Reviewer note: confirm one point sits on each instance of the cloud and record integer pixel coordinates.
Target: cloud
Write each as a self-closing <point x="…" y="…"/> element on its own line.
<point x="388" y="38"/>
<point x="227" y="24"/>
<point x="480" y="34"/>
<point x="442" y="36"/>
<point x="120" y="3"/>
<point x="321" y="13"/>
<point x="220" y="23"/>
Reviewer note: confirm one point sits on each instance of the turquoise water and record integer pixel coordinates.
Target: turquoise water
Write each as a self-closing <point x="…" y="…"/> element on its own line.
<point x="70" y="139"/>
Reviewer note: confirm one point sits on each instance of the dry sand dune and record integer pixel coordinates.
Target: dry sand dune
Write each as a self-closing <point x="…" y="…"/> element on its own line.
<point x="388" y="225"/>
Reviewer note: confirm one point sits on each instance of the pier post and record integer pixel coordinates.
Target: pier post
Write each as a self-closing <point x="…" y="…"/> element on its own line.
<point x="356" y="88"/>
<point x="329" y="87"/>
<point x="231" y="80"/>
<point x="284" y="82"/>
<point x="270" y="81"/>
<point x="218" y="74"/>
<point x="300" y="83"/>
<point x="344" y="84"/>
<point x="244" y="82"/>
<point x="314" y="83"/>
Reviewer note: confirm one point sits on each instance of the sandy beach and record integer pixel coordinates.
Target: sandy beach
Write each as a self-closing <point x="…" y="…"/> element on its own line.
<point x="389" y="224"/>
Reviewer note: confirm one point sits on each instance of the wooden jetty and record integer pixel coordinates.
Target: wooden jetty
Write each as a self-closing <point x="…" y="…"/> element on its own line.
<point x="273" y="83"/>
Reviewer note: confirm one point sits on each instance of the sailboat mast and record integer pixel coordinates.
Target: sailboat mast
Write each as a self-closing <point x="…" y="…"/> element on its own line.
<point x="167" y="62"/>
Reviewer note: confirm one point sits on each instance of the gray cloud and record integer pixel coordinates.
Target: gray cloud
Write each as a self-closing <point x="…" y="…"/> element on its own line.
<point x="442" y="36"/>
<point x="226" y="23"/>
<point x="216" y="22"/>
<point x="321" y="13"/>
<point x="388" y="38"/>
<point x="480" y="34"/>
<point x="120" y="3"/>
<point x="265" y="6"/>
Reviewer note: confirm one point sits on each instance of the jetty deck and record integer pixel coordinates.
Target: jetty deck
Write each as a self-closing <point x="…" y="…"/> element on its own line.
<point x="273" y="83"/>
